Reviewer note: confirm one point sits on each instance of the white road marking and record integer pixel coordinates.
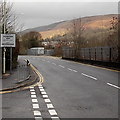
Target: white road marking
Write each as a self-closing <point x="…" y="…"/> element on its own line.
<point x="50" y="106"/>
<point x="52" y="112"/>
<point x="33" y="96"/>
<point x="41" y="87"/>
<point x="43" y="93"/>
<point x="47" y="100"/>
<point x="33" y="93"/>
<point x="45" y="96"/>
<point x="36" y="112"/>
<point x="35" y="106"/>
<point x="113" y="85"/>
<point x="32" y="90"/>
<point x="53" y="63"/>
<point x="34" y="100"/>
<point x="38" y="118"/>
<point x="75" y="71"/>
<point x="48" y="61"/>
<point x="89" y="76"/>
<point x="55" y="118"/>
<point x="42" y="90"/>
<point x="61" y="66"/>
<point x="70" y="69"/>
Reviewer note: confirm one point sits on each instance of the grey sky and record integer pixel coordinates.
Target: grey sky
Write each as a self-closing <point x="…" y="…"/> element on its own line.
<point x="35" y="14"/>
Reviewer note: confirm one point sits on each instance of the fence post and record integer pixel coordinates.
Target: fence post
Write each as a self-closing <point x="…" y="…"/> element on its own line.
<point x="101" y="53"/>
<point x="110" y="55"/>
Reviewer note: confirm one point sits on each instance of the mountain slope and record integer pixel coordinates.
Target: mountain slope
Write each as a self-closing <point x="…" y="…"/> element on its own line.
<point x="60" y="28"/>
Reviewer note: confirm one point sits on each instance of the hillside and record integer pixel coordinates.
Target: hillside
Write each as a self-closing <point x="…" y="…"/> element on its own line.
<point x="60" y="28"/>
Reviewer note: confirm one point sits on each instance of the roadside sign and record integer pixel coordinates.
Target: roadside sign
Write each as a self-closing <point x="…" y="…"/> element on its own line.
<point x="8" y="40"/>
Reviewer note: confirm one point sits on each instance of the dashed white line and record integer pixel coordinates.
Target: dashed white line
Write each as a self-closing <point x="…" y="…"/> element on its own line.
<point x="42" y="90"/>
<point x="33" y="96"/>
<point x="47" y="100"/>
<point x="75" y="71"/>
<point x="113" y="85"/>
<point x="43" y="93"/>
<point x="38" y="118"/>
<point x="52" y="112"/>
<point x="34" y="100"/>
<point x="41" y="87"/>
<point x="36" y="112"/>
<point x="35" y="106"/>
<point x="70" y="69"/>
<point x="32" y="90"/>
<point x="45" y="96"/>
<point x="53" y="63"/>
<point x="61" y="66"/>
<point x="50" y="106"/>
<point x="55" y="118"/>
<point x="89" y="76"/>
<point x="33" y="93"/>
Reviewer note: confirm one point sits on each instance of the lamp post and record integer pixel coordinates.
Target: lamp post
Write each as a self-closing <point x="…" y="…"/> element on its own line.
<point x="4" y="49"/>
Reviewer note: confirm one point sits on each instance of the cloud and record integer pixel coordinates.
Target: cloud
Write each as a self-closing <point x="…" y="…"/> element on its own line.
<point x="38" y="14"/>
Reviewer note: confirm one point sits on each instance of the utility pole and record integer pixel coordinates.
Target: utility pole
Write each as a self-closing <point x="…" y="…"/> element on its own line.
<point x="4" y="49"/>
<point x="0" y="41"/>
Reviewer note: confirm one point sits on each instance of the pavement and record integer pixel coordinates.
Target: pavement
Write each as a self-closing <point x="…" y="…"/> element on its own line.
<point x="9" y="80"/>
<point x="19" y="78"/>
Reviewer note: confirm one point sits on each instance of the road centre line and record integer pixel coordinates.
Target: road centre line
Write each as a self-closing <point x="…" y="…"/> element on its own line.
<point x="75" y="71"/>
<point x="70" y="69"/>
<point x="89" y="76"/>
<point x="53" y="63"/>
<point x="61" y="66"/>
<point x="113" y="85"/>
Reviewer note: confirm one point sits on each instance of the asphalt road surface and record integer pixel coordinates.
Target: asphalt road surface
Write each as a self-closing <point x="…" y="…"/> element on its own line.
<point x="70" y="90"/>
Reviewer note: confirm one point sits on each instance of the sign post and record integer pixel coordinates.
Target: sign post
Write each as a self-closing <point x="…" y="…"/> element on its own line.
<point x="8" y="40"/>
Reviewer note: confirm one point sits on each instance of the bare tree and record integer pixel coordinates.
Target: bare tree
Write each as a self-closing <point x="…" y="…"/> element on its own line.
<point x="77" y="29"/>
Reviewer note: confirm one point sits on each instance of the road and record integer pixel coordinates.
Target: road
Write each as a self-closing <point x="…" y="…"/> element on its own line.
<point x="70" y="90"/>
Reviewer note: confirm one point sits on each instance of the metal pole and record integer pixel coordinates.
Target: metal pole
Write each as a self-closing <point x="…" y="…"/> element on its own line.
<point x="4" y="50"/>
<point x="11" y="60"/>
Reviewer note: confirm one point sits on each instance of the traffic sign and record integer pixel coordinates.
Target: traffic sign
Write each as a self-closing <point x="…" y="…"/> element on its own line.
<point x="8" y="40"/>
